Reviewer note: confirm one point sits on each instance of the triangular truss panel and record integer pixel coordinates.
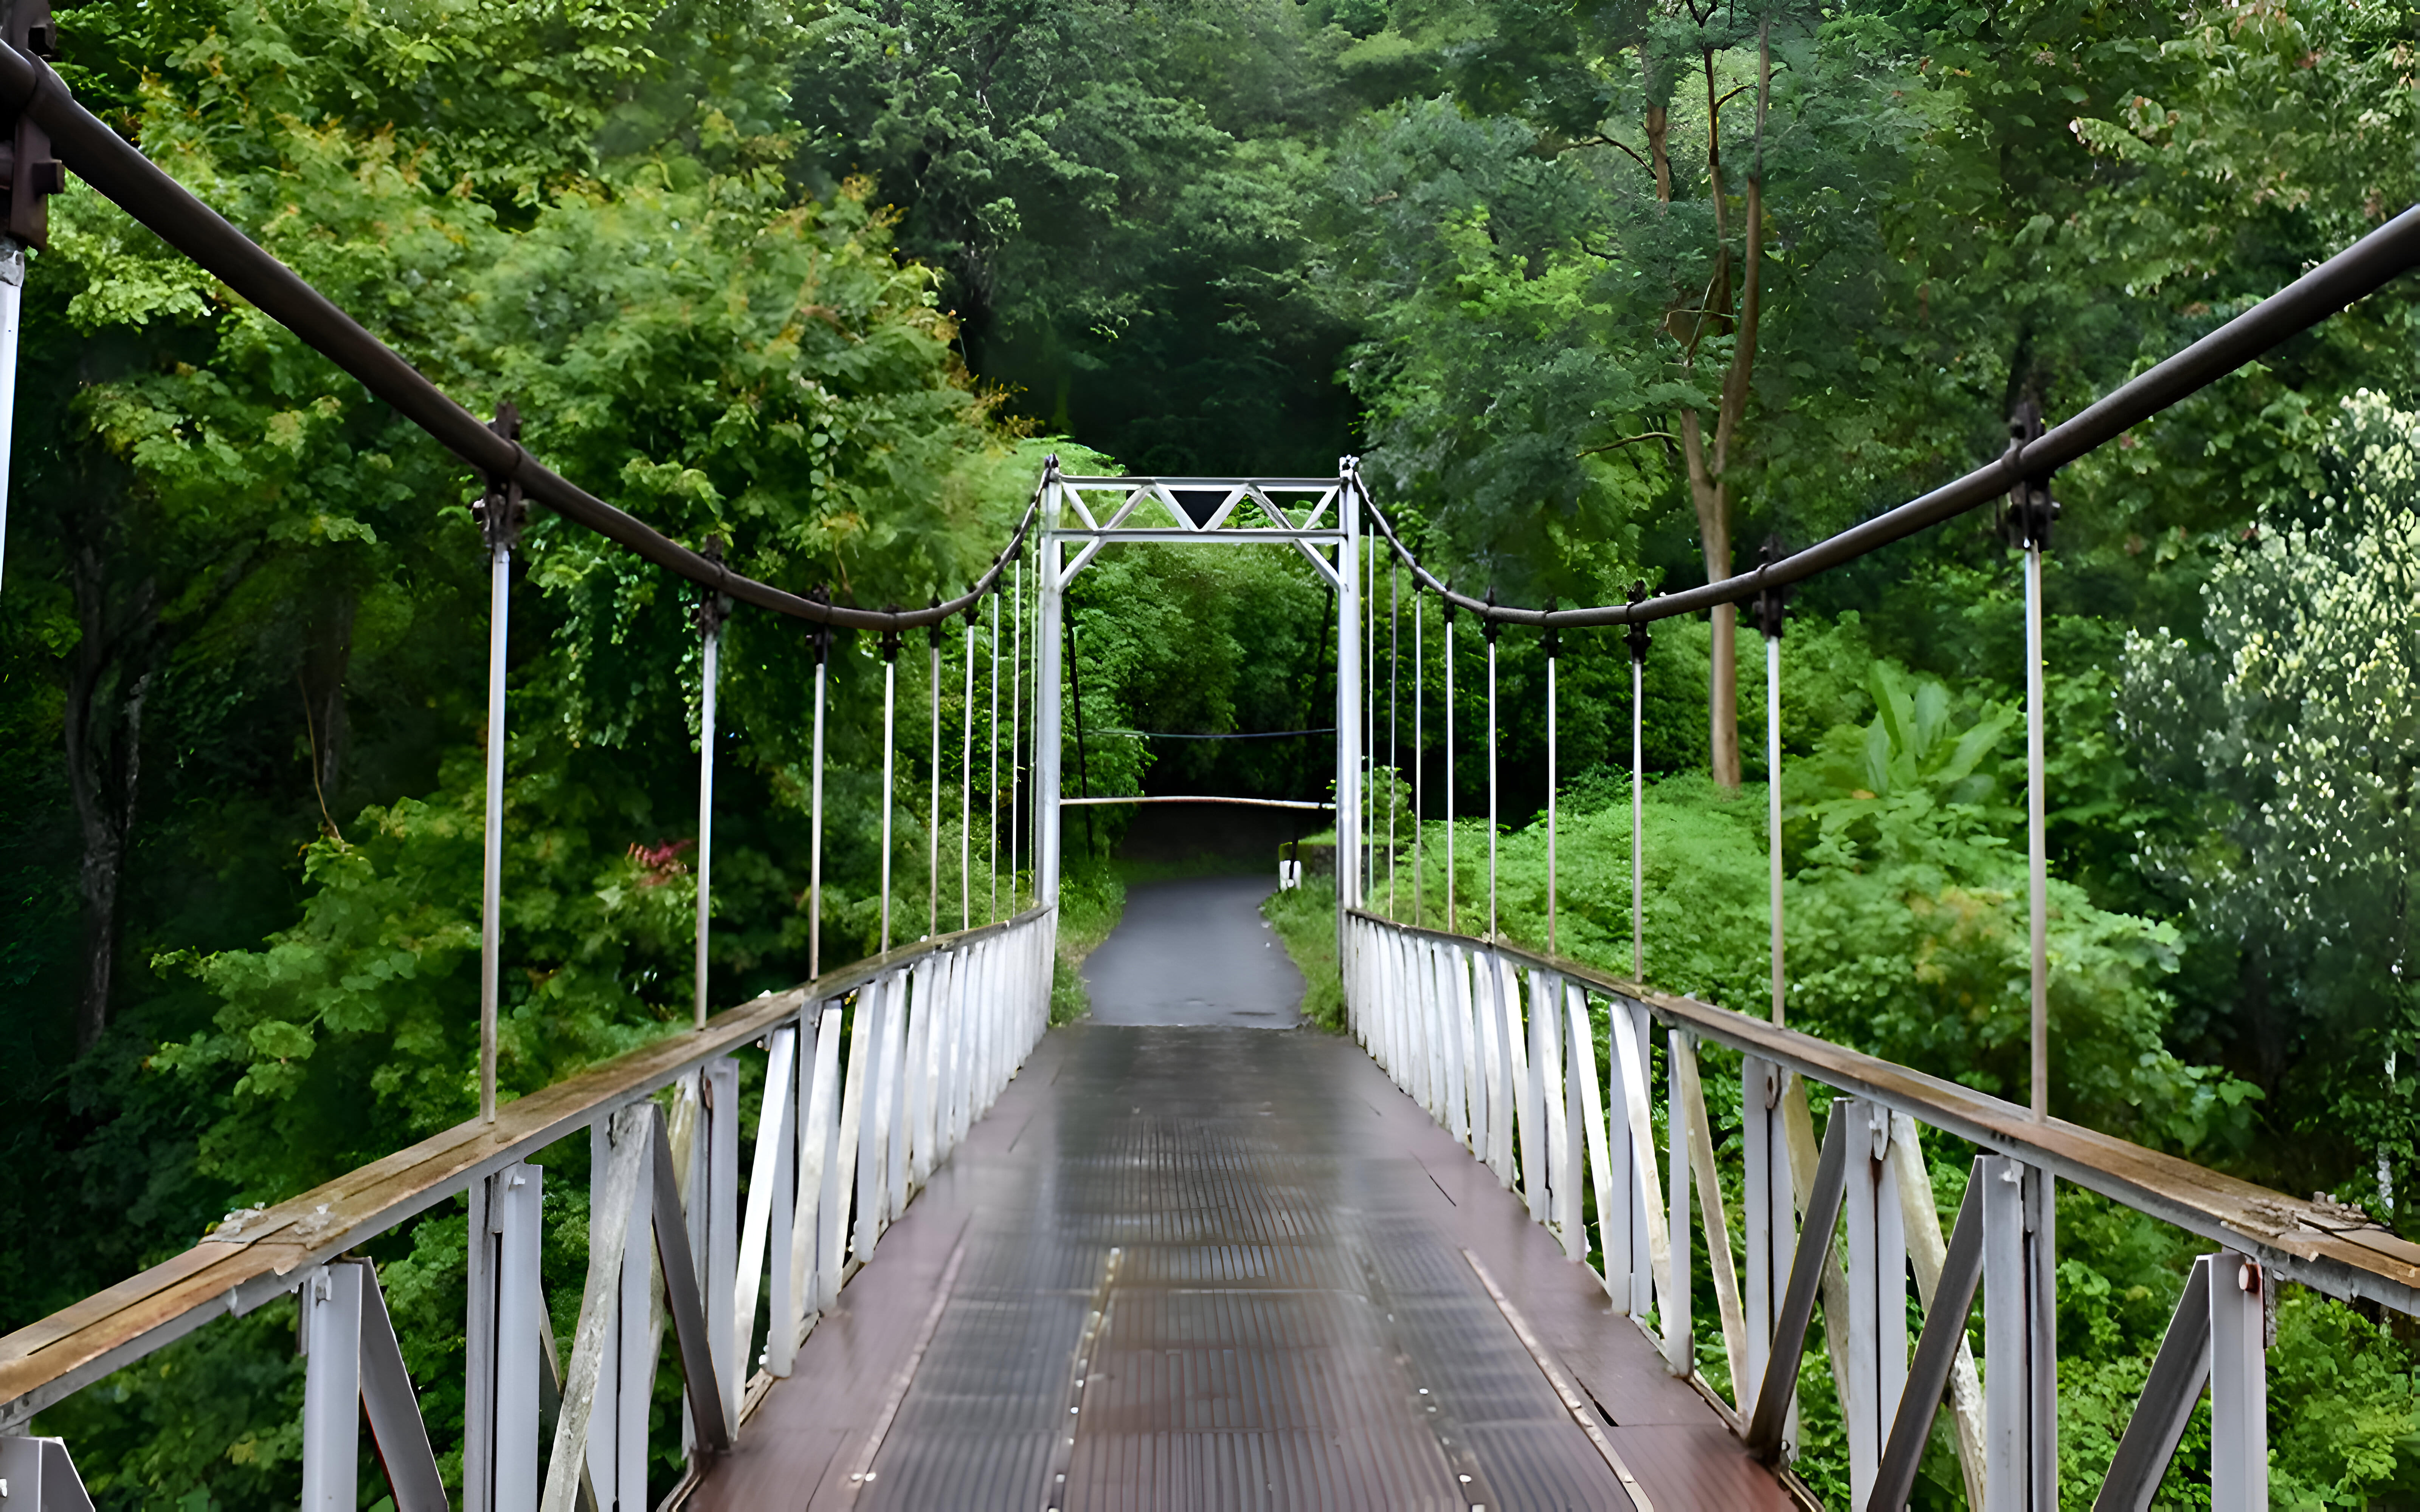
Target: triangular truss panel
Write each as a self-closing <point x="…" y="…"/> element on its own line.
<point x="1298" y="512"/>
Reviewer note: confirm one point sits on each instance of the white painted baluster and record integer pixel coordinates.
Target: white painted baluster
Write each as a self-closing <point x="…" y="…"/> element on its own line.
<point x="1557" y="1210"/>
<point x="769" y="1179"/>
<point x="1453" y="1036"/>
<point x="1470" y="1004"/>
<point x="957" y="1060"/>
<point x="1445" y="1087"/>
<point x="1679" y="1345"/>
<point x="817" y="1111"/>
<point x="2239" y="1384"/>
<point x="1520" y="1118"/>
<point x="1649" y="1246"/>
<point x="499" y="1437"/>
<point x="877" y="1002"/>
<point x="332" y="1390"/>
<point x="1876" y="1342"/>
<point x="901" y="1082"/>
<point x="932" y="999"/>
<point x="840" y="1176"/>
<point x="1589" y="1135"/>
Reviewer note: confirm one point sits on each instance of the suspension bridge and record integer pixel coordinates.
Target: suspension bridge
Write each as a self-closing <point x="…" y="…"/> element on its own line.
<point x="1172" y="1257"/>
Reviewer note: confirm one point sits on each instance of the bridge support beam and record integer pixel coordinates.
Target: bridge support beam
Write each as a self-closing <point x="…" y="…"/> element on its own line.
<point x="1348" y="700"/>
<point x="1049" y="613"/>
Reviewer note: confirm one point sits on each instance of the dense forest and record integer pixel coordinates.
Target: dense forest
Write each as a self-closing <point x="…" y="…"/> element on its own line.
<point x="1600" y="291"/>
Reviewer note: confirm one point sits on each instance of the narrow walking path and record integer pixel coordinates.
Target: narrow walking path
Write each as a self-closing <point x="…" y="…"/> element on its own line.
<point x="1195" y="951"/>
<point x="1184" y="1266"/>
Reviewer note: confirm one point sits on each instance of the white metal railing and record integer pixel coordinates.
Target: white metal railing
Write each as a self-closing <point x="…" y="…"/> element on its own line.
<point x="873" y="1076"/>
<point x="1500" y="1047"/>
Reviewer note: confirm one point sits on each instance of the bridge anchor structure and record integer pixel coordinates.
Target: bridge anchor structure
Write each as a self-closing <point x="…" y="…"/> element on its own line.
<point x="1044" y="1246"/>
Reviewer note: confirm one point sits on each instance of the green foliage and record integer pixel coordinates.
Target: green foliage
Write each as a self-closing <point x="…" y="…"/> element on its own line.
<point x="777" y="279"/>
<point x="2295" y="720"/>
<point x="1304" y="918"/>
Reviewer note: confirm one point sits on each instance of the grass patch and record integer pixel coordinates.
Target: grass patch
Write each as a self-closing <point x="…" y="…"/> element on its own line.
<point x="1305" y="919"/>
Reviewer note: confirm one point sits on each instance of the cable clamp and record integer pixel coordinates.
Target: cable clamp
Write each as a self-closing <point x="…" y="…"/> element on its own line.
<point x="2025" y="520"/>
<point x="1772" y="603"/>
<point x="500" y="511"/>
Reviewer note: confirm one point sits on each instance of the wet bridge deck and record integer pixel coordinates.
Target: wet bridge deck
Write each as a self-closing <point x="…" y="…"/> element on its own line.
<point x="1203" y="1266"/>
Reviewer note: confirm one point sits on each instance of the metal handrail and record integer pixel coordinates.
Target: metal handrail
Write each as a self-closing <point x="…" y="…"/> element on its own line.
<point x="2317" y="1246"/>
<point x="141" y="189"/>
<point x="2359" y="269"/>
<point x="258" y="1256"/>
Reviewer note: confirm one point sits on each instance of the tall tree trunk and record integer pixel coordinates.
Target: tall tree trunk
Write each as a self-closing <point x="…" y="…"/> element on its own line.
<point x="104" y="737"/>
<point x="1708" y="459"/>
<point x="325" y="663"/>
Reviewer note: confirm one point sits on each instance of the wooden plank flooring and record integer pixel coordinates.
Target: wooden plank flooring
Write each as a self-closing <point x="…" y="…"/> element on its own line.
<point x="1220" y="1268"/>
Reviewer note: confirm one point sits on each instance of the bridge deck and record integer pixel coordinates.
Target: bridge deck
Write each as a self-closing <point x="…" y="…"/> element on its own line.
<point x="1275" y="1240"/>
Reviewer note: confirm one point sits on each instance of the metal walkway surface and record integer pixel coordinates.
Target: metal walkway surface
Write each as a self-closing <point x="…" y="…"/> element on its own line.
<point x="1210" y="1267"/>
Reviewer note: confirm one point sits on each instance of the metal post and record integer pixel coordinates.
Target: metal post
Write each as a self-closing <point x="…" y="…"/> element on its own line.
<point x="1487" y="628"/>
<point x="967" y="781"/>
<point x="1680" y="1348"/>
<point x="815" y="807"/>
<point x="720" y="1260"/>
<point x="332" y="1388"/>
<point x="2037" y="853"/>
<point x="933" y="831"/>
<point x="500" y="1452"/>
<point x="1451" y="922"/>
<point x="2025" y="523"/>
<point x="1769" y="611"/>
<point x="1874" y="1344"/>
<point x="1770" y="1218"/>
<point x="500" y="513"/>
<point x="1394" y="661"/>
<point x="1419" y="764"/>
<point x="1367" y="856"/>
<point x="991" y="741"/>
<point x="889" y="744"/>
<point x="2239" y="1384"/>
<point x="2020" y="1338"/>
<point x="1639" y="641"/>
<point x="1772" y="814"/>
<point x="1348" y="700"/>
<point x="1049" y="606"/>
<point x="12" y="299"/>
<point x="1016" y="713"/>
<point x="39" y="1475"/>
<point x="709" y="618"/>
<point x="1552" y="646"/>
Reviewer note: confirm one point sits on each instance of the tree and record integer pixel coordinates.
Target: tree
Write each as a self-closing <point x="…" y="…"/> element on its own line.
<point x="1579" y="308"/>
<point x="2300" y="720"/>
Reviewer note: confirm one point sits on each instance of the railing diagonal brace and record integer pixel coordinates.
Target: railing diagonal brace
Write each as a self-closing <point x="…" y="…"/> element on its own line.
<point x="1936" y="1353"/>
<point x="2178" y="1373"/>
<point x="1823" y="1215"/>
<point x="394" y="1410"/>
<point x="684" y="1299"/>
